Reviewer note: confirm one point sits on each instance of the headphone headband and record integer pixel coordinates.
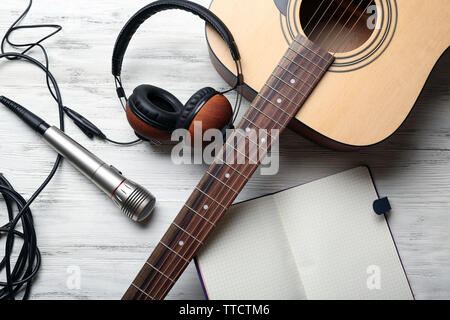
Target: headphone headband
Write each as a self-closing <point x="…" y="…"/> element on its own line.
<point x="145" y="13"/>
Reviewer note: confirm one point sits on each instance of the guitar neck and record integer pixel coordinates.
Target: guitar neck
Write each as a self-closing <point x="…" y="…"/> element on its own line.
<point x="293" y="80"/>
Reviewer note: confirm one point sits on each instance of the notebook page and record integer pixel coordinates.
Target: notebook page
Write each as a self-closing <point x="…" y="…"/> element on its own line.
<point x="248" y="256"/>
<point x="338" y="241"/>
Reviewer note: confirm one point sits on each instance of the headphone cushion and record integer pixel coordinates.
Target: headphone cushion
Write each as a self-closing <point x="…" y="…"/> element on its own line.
<point x="192" y="107"/>
<point x="155" y="106"/>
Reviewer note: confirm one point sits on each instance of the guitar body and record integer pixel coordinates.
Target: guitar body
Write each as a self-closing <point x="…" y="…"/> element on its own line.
<point x="378" y="73"/>
<point x="351" y="84"/>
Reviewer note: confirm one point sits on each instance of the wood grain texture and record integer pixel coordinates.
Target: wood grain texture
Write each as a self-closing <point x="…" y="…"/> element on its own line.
<point x="78" y="226"/>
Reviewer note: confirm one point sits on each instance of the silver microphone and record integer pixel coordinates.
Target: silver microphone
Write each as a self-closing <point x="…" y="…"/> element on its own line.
<point x="135" y="201"/>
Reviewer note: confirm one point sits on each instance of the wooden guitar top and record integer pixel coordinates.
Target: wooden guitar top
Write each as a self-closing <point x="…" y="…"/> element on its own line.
<point x="369" y="91"/>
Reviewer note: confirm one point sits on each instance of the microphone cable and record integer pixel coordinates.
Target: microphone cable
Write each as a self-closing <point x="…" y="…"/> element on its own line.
<point x="20" y="271"/>
<point x="21" y="274"/>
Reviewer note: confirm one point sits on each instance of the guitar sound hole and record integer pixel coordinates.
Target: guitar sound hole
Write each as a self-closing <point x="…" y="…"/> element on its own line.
<point x="338" y="25"/>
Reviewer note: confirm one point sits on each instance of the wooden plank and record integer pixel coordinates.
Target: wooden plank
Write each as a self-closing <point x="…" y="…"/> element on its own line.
<point x="78" y="226"/>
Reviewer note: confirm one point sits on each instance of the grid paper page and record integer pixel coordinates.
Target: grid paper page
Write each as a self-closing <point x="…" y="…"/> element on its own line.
<point x="339" y="243"/>
<point x="248" y="256"/>
<point x="321" y="240"/>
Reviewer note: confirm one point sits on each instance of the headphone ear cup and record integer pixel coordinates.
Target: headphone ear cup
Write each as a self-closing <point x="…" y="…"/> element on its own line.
<point x="156" y="106"/>
<point x="209" y="107"/>
<point x="193" y="106"/>
<point x="153" y="112"/>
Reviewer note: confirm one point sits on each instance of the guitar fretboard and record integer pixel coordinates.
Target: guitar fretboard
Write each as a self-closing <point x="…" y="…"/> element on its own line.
<point x="288" y="87"/>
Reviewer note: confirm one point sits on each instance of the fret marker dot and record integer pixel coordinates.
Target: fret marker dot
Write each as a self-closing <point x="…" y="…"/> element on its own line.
<point x="263" y="140"/>
<point x="248" y="130"/>
<point x="181" y="243"/>
<point x="206" y="207"/>
<point x="279" y="100"/>
<point x="227" y="175"/>
<point x="292" y="81"/>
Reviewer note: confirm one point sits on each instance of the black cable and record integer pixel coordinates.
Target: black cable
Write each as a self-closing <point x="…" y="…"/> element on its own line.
<point x="20" y="276"/>
<point x="131" y="143"/>
<point x="29" y="46"/>
<point x="29" y="253"/>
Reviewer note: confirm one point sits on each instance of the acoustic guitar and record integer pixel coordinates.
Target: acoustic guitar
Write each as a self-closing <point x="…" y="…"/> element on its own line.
<point x="316" y="62"/>
<point x="378" y="73"/>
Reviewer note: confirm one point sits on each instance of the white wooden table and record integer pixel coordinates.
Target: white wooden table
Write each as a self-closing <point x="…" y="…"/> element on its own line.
<point x="80" y="229"/>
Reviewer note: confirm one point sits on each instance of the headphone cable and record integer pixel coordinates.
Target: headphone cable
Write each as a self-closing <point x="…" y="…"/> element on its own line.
<point x="86" y="126"/>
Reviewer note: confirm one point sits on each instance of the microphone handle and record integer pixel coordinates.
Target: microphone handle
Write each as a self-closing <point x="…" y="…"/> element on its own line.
<point x="134" y="200"/>
<point x="104" y="176"/>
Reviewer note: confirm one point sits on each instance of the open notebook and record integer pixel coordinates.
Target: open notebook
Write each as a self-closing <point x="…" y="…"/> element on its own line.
<point x="321" y="240"/>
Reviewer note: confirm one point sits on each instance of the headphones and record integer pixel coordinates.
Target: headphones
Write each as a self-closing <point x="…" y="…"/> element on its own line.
<point x="155" y="113"/>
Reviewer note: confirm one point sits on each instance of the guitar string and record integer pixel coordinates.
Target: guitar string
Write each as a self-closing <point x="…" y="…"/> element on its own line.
<point x="166" y="289"/>
<point x="226" y="190"/>
<point x="343" y="27"/>
<point x="316" y="39"/>
<point x="320" y="20"/>
<point x="246" y="167"/>
<point x="226" y="193"/>
<point x="297" y="92"/>
<point x="202" y="229"/>
<point x="197" y="246"/>
<point x="337" y="22"/>
<point x="335" y="39"/>
<point x="353" y="27"/>
<point x="312" y="17"/>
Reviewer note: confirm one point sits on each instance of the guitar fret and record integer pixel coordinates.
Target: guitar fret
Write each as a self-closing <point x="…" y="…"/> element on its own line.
<point x="253" y="158"/>
<point x="248" y="120"/>
<point x="160" y="272"/>
<point x="292" y="81"/>
<point x="223" y="183"/>
<point x="201" y="216"/>
<point x="304" y="46"/>
<point x="273" y="104"/>
<point x="170" y="249"/>
<point x="235" y="181"/>
<point x="260" y="95"/>
<point x="269" y="117"/>
<point x="235" y="170"/>
<point x="304" y="57"/>
<point x="211" y="198"/>
<point x="281" y="94"/>
<point x="188" y="233"/>
<point x="247" y="137"/>
<point x="142" y="291"/>
<point x="300" y="66"/>
<point x="295" y="76"/>
<point x="313" y="57"/>
<point x="262" y="152"/>
<point x="239" y="151"/>
<point x="288" y="84"/>
<point x="255" y="143"/>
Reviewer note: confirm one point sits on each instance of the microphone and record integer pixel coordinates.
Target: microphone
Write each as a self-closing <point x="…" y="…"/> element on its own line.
<point x="134" y="201"/>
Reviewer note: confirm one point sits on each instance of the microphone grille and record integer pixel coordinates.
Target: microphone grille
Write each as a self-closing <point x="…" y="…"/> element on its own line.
<point x="139" y="205"/>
